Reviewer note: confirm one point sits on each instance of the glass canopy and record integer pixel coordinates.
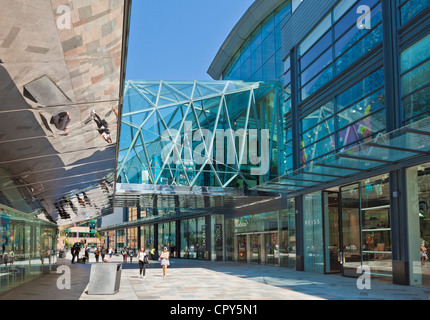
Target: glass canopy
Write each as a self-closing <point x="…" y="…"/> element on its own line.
<point x="386" y="149"/>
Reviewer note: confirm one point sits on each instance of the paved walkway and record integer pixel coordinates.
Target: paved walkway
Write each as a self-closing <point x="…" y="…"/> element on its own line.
<point x="205" y="280"/>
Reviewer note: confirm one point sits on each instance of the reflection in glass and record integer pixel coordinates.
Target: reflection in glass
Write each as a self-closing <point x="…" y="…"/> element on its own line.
<point x="418" y="195"/>
<point x="313" y="233"/>
<point x="376" y="227"/>
<point x="351" y="246"/>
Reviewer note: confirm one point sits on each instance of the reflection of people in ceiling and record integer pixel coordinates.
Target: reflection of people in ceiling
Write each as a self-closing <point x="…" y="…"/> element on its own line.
<point x="102" y="127"/>
<point x="87" y="200"/>
<point x="61" y="121"/>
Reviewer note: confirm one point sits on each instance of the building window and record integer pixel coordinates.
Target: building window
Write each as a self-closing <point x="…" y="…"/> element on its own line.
<point x="415" y="80"/>
<point x="354" y="116"/>
<point x="259" y="58"/>
<point x="410" y="8"/>
<point x="336" y="43"/>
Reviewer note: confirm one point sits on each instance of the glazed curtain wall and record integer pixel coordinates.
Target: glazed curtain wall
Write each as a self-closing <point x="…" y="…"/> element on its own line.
<point x="336" y="43"/>
<point x="356" y="115"/>
<point x="415" y="80"/>
<point x="409" y="9"/>
<point x="178" y="133"/>
<point x="193" y="239"/>
<point x="259" y="58"/>
<point x="28" y="248"/>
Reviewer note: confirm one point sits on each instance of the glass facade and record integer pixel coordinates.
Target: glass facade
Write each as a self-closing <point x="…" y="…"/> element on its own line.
<point x="194" y="239"/>
<point x="147" y="237"/>
<point x="341" y="114"/>
<point x="167" y="237"/>
<point x="409" y="9"/>
<point x="259" y="57"/>
<point x="354" y="116"/>
<point x="28" y="248"/>
<point x="264" y="238"/>
<point x="313" y="232"/>
<point x="336" y="43"/>
<point x="415" y="80"/>
<point x="199" y="133"/>
<point x="366" y="227"/>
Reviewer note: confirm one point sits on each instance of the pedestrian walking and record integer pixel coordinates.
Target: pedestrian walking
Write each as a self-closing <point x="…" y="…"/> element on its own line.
<point x="143" y="261"/>
<point x="87" y="256"/>
<point x="102" y="127"/>
<point x="130" y="254"/>
<point x="77" y="250"/>
<point x="124" y="255"/>
<point x="103" y="253"/>
<point x="164" y="258"/>
<point x="72" y="251"/>
<point x="110" y="252"/>
<point x="152" y="253"/>
<point x="97" y="254"/>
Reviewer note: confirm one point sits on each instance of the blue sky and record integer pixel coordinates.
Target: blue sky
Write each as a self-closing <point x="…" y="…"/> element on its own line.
<point x="178" y="39"/>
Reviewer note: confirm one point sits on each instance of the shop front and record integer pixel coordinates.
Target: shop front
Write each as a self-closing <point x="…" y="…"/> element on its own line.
<point x="418" y="221"/>
<point x="28" y="248"/>
<point x="347" y="229"/>
<point x="265" y="238"/>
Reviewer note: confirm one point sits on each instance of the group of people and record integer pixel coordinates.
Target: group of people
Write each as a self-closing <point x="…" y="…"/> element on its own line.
<point x="76" y="249"/>
<point x="62" y="120"/>
<point x="142" y="257"/>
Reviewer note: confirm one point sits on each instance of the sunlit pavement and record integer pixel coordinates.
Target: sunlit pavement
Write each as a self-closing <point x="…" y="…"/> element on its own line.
<point x="206" y="280"/>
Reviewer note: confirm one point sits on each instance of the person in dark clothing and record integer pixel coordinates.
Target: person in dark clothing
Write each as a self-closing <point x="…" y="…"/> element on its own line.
<point x="61" y="121"/>
<point x="73" y="254"/>
<point x="102" y="127"/>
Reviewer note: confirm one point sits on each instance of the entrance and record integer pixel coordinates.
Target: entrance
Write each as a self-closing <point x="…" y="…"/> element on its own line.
<point x="331" y="232"/>
<point x="357" y="229"/>
<point x="259" y="248"/>
<point x="366" y="229"/>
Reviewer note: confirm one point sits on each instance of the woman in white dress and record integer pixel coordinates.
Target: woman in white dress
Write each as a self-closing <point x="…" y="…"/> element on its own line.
<point x="165" y="261"/>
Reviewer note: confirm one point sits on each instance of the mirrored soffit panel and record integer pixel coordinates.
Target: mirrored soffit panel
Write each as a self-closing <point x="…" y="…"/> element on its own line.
<point x="60" y="57"/>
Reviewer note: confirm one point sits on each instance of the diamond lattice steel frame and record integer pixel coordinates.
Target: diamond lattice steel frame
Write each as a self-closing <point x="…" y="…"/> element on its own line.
<point x="179" y="120"/>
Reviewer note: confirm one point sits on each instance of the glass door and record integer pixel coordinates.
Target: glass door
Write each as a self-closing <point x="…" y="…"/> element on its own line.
<point x="241" y="248"/>
<point x="255" y="248"/>
<point x="351" y="231"/>
<point x="271" y="248"/>
<point x="331" y="232"/>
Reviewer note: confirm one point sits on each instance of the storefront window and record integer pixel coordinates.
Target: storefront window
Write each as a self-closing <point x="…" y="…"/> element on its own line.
<point x="418" y="195"/>
<point x="366" y="227"/>
<point x="28" y="248"/>
<point x="147" y="237"/>
<point x="287" y="247"/>
<point x="313" y="233"/>
<point x="376" y="226"/>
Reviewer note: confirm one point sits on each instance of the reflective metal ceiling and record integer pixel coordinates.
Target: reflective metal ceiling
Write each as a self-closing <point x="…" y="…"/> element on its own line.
<point x="60" y="56"/>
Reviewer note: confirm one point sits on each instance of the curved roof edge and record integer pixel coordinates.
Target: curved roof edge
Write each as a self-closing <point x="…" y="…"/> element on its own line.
<point x="255" y="14"/>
